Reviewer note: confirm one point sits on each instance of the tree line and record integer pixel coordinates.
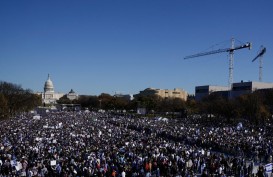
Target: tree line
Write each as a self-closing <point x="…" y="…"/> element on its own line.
<point x="14" y="99"/>
<point x="256" y="107"/>
<point x="108" y="102"/>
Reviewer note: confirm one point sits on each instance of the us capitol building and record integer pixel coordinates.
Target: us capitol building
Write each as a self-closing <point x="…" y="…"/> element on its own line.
<point x="49" y="96"/>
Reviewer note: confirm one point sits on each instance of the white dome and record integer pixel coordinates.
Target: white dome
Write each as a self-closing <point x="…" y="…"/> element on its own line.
<point x="48" y="85"/>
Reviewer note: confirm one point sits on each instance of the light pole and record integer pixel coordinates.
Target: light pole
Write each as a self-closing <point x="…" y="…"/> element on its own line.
<point x="100" y="103"/>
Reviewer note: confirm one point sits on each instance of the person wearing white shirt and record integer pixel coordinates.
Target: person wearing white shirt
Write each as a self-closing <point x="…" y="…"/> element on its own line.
<point x="123" y="174"/>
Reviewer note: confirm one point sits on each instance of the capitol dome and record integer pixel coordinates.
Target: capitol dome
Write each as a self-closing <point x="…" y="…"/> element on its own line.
<point x="48" y="85"/>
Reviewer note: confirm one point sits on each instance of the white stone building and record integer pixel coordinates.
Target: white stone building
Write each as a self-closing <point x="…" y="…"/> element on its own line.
<point x="49" y="96"/>
<point x="72" y="95"/>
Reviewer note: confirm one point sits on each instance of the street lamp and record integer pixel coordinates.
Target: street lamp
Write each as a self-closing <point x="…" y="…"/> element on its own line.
<point x="100" y="103"/>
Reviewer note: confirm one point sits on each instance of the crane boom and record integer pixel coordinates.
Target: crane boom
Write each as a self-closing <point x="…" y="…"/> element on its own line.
<point x="260" y="56"/>
<point x="231" y="56"/>
<point x="247" y="45"/>
<point x="262" y="52"/>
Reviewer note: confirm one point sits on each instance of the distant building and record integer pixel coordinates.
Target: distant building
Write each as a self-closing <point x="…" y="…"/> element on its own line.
<point x="72" y="95"/>
<point x="206" y="90"/>
<point x="127" y="97"/>
<point x="69" y="107"/>
<point x="49" y="96"/>
<point x="242" y="87"/>
<point x="164" y="93"/>
<point x="237" y="89"/>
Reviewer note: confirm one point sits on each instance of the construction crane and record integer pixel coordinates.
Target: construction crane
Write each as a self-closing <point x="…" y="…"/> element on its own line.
<point x="231" y="56"/>
<point x="260" y="56"/>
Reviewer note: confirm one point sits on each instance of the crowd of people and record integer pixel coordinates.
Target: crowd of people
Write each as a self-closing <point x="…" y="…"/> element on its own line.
<point x="106" y="144"/>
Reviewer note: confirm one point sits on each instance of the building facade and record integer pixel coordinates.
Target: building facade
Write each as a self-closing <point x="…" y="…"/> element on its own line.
<point x="237" y="89"/>
<point x="164" y="93"/>
<point x="242" y="87"/>
<point x="204" y="91"/>
<point x="72" y="95"/>
<point x="49" y="96"/>
<point x="127" y="97"/>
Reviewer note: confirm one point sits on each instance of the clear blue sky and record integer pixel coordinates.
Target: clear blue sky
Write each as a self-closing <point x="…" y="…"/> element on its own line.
<point x="107" y="46"/>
